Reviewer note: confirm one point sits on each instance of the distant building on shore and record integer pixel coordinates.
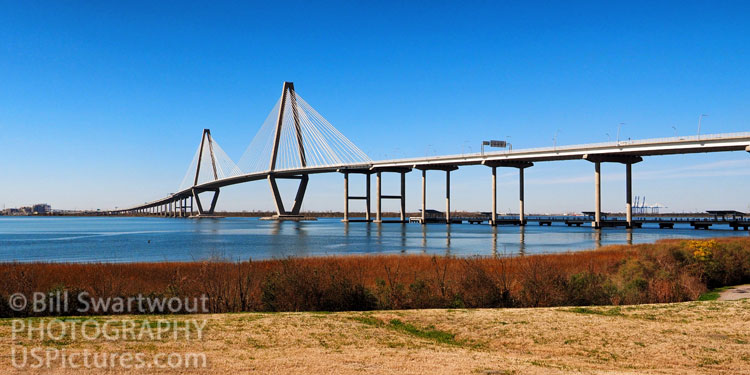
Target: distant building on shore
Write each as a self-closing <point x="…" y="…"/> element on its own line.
<point x="41" y="209"/>
<point x="37" y="209"/>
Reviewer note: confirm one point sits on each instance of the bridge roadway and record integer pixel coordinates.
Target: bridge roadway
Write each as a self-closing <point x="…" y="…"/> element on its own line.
<point x="625" y="152"/>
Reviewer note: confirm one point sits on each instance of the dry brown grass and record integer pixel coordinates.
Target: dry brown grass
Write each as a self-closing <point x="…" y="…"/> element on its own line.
<point x="680" y="338"/>
<point x="341" y="283"/>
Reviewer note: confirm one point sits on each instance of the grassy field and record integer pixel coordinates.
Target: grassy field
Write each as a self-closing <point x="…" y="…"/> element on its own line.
<point x="699" y="337"/>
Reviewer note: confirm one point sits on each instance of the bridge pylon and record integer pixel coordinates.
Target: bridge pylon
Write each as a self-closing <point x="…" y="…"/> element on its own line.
<point x="288" y="105"/>
<point x="206" y="141"/>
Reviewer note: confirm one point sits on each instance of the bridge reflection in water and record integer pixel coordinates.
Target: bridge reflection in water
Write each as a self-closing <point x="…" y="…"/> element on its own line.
<point x="136" y="239"/>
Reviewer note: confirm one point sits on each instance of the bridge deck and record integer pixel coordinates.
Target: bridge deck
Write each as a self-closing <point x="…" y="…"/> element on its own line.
<point x="646" y="147"/>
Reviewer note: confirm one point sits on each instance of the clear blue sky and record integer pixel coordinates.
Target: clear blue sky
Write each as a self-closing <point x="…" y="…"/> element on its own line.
<point x="102" y="104"/>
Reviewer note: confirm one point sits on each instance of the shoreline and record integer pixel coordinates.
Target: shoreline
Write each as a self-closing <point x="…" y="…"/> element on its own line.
<point x="355" y="214"/>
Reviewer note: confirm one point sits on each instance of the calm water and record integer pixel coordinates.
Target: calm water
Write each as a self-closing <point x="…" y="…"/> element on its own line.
<point x="115" y="239"/>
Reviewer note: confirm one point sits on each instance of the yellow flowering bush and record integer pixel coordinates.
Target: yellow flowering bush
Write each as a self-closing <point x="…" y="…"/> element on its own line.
<point x="702" y="250"/>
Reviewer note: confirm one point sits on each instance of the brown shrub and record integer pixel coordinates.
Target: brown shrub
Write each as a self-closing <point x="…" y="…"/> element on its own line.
<point x="666" y="271"/>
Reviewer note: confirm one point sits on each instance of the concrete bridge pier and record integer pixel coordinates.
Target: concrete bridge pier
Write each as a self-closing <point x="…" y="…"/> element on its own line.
<point x="195" y="197"/>
<point x="424" y="199"/>
<point x="448" y="197"/>
<point x="598" y="195"/>
<point x="521" y="213"/>
<point x="378" y="199"/>
<point x="629" y="197"/>
<point x="521" y="165"/>
<point x="367" y="198"/>
<point x="379" y="196"/>
<point x="440" y="167"/>
<point x="281" y="212"/>
<point x="628" y="160"/>
<point x="493" y="219"/>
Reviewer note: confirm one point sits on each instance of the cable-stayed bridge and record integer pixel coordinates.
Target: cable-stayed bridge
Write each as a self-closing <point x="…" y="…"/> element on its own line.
<point x="296" y="141"/>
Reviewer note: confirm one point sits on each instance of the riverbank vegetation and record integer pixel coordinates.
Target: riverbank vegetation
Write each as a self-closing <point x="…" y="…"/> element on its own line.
<point x="666" y="271"/>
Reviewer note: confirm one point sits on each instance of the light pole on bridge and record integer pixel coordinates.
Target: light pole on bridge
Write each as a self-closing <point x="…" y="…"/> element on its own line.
<point x="699" y="124"/>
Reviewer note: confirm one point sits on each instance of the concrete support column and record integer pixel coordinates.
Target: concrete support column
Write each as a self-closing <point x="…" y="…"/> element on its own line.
<point x="521" y="215"/>
<point x="493" y="219"/>
<point x="598" y="195"/>
<point x="378" y="212"/>
<point x="367" y="196"/>
<point x="424" y="198"/>
<point x="448" y="197"/>
<point x="346" y="196"/>
<point x="629" y="194"/>
<point x="403" y="196"/>
<point x="628" y="160"/>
